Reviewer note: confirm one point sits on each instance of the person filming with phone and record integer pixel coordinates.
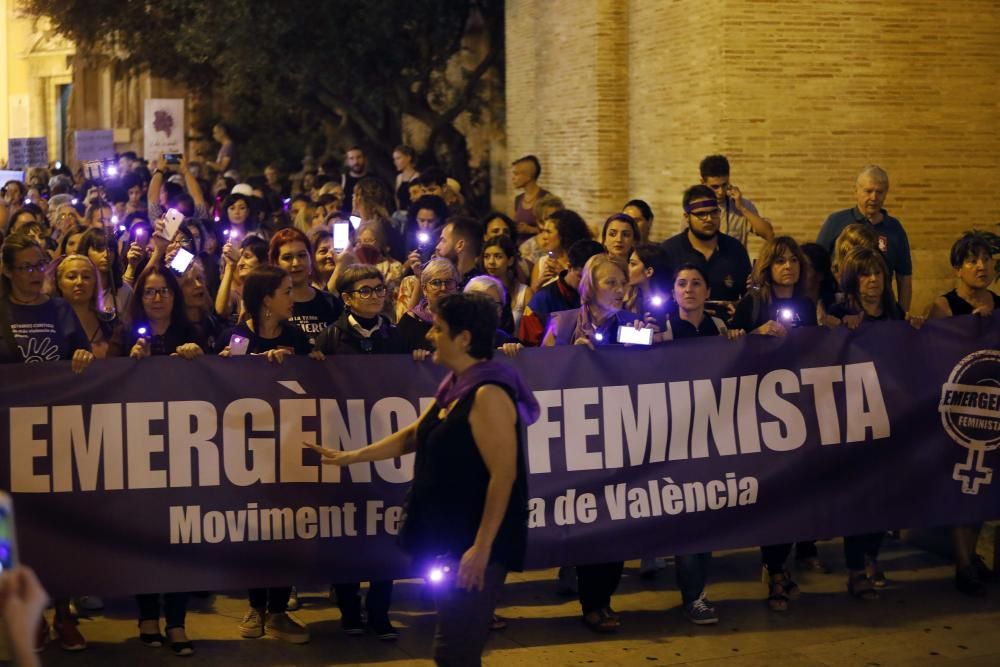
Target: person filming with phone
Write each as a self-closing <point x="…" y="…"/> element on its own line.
<point x="777" y="303"/>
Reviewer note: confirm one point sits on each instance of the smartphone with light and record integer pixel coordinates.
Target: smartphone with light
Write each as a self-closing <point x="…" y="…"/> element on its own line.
<point x="171" y="223"/>
<point x="355" y="220"/>
<point x="8" y="536"/>
<point x="182" y="260"/>
<point x="238" y="345"/>
<point x="633" y="336"/>
<point x="172" y="158"/>
<point x="341" y="235"/>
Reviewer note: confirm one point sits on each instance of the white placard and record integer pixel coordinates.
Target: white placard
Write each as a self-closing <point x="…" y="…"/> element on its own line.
<point x="163" y="128"/>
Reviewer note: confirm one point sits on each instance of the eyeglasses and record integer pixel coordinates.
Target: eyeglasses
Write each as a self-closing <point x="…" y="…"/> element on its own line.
<point x="706" y="215"/>
<point x="31" y="268"/>
<point x="151" y="293"/>
<point x="442" y="283"/>
<point x="366" y="292"/>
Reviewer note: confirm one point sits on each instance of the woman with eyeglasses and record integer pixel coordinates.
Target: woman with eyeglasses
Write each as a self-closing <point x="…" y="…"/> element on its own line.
<point x="78" y="281"/>
<point x="438" y="278"/>
<point x="33" y="326"/>
<point x="159" y="323"/>
<point x="314" y="309"/>
<point x="116" y="294"/>
<point x="499" y="259"/>
<point x="363" y="327"/>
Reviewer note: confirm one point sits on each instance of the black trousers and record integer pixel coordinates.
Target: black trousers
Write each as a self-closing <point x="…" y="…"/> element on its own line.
<point x="174" y="608"/>
<point x="376" y="602"/>
<point x="463" y="620"/>
<point x="856" y="547"/>
<point x="774" y="555"/>
<point x="597" y="583"/>
<point x="270" y="600"/>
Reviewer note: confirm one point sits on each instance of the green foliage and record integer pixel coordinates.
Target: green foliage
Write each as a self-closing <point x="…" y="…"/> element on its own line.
<point x="301" y="70"/>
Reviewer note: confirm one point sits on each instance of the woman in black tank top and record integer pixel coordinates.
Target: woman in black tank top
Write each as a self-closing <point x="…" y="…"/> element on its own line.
<point x="975" y="268"/>
<point x="466" y="513"/>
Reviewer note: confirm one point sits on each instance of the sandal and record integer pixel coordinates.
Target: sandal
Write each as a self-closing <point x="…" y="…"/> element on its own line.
<point x="777" y="598"/>
<point x="860" y="587"/>
<point x="601" y="621"/>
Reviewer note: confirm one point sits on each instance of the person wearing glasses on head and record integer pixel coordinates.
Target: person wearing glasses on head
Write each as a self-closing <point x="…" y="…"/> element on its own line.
<point x="438" y="278"/>
<point x="362" y="328"/>
<point x="727" y="264"/>
<point x="33" y="326"/>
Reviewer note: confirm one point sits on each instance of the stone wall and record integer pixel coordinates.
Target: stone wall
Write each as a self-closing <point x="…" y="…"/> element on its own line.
<point x="623" y="99"/>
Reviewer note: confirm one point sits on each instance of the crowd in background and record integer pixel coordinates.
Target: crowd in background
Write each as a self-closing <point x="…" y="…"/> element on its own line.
<point x="173" y="257"/>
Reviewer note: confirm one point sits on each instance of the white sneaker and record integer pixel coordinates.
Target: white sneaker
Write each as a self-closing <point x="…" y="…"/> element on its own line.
<point x="293" y="600"/>
<point x="252" y="625"/>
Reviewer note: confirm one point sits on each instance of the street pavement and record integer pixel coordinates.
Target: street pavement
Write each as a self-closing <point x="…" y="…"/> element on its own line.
<point x="919" y="620"/>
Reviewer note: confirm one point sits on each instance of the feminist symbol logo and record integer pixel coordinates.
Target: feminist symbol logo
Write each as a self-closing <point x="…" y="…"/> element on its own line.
<point x="970" y="413"/>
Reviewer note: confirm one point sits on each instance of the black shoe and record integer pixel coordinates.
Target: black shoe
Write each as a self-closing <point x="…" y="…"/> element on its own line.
<point x="152" y="639"/>
<point x="183" y="649"/>
<point x="985" y="574"/>
<point x="967" y="581"/>
<point x="383" y="629"/>
<point x="352" y="625"/>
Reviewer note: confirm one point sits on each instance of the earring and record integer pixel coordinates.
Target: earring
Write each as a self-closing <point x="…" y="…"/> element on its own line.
<point x="267" y="314"/>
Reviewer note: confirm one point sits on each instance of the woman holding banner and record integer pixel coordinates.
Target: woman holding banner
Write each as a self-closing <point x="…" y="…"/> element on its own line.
<point x="864" y="281"/>
<point x="972" y="259"/>
<point x="595" y="323"/>
<point x="466" y="515"/>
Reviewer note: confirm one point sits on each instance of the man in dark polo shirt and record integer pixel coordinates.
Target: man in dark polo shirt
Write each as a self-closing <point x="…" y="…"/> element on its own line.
<point x="726" y="261"/>
<point x="872" y="188"/>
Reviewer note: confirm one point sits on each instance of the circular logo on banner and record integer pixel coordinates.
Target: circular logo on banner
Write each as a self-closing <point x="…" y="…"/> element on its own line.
<point x="970" y="413"/>
<point x="970" y="401"/>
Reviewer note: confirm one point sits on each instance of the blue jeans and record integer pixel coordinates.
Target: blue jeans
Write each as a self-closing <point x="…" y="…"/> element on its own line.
<point x="692" y="571"/>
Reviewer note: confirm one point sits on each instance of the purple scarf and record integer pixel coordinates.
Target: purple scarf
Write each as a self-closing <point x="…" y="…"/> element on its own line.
<point x="454" y="388"/>
<point x="422" y="312"/>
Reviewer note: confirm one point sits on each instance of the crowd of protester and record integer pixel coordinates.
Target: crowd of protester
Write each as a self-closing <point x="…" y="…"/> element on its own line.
<point x="189" y="259"/>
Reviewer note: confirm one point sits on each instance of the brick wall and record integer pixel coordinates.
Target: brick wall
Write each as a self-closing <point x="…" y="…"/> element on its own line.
<point x="623" y="99"/>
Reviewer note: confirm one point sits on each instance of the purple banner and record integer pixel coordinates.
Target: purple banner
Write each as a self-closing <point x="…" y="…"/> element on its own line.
<point x="195" y="471"/>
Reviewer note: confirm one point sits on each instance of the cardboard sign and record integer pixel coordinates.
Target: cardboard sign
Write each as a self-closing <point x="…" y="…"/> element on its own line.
<point x="27" y="152"/>
<point x="94" y="144"/>
<point x="163" y="128"/>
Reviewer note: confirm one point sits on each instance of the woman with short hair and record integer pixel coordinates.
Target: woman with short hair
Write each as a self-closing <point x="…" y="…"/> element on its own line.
<point x="362" y="328"/>
<point x="972" y="259"/>
<point x="438" y="278"/>
<point x="466" y="514"/>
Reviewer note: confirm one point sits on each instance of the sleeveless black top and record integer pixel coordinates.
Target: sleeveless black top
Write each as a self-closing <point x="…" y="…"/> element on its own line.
<point x="960" y="306"/>
<point x="445" y="504"/>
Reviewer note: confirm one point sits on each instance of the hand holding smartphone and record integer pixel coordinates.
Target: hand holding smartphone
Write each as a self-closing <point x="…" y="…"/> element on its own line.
<point x="238" y="345"/>
<point x="632" y="336"/>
